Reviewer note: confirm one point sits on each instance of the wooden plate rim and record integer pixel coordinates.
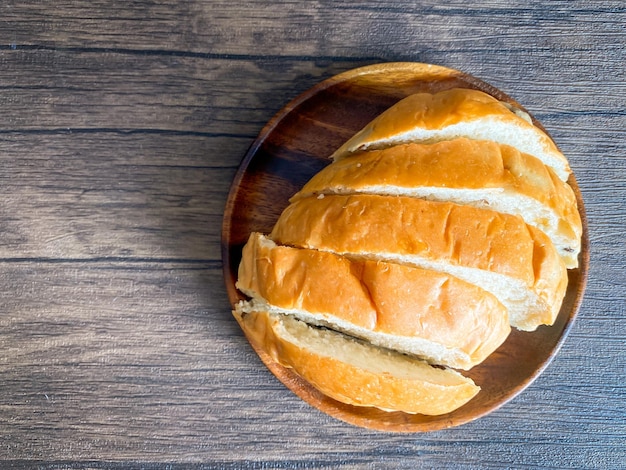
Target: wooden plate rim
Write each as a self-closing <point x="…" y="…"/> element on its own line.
<point x="398" y="422"/>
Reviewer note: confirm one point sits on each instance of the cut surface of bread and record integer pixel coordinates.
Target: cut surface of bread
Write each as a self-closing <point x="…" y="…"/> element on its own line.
<point x="354" y="372"/>
<point x="479" y="173"/>
<point x="429" y="314"/>
<point x="497" y="252"/>
<point x="453" y="113"/>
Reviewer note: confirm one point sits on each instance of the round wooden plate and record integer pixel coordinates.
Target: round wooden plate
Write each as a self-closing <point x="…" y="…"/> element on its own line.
<point x="294" y="146"/>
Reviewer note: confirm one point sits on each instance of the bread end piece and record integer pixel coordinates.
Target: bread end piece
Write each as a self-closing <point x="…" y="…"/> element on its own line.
<point x="457" y="112"/>
<point x="353" y="372"/>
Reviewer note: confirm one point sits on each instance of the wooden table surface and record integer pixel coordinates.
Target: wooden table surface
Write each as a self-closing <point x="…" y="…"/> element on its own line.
<point x="122" y="124"/>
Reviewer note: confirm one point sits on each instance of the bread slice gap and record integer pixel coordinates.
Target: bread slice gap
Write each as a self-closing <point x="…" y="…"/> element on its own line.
<point x="354" y="372"/>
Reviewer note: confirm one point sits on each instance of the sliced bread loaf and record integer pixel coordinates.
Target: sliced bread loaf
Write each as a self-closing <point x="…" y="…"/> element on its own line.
<point x="426" y="313"/>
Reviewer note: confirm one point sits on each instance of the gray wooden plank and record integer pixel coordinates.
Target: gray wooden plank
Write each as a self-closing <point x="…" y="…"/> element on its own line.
<point x="122" y="125"/>
<point x="112" y="195"/>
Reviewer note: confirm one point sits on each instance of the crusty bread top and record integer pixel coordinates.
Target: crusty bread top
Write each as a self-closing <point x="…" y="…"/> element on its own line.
<point x="297" y="279"/>
<point x="476" y="172"/>
<point x="443" y="234"/>
<point x="457" y="112"/>
<point x="456" y="234"/>
<point x="353" y="372"/>
<point x="426" y="313"/>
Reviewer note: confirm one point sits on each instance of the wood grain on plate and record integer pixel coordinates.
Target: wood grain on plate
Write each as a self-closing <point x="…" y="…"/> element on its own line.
<point x="294" y="146"/>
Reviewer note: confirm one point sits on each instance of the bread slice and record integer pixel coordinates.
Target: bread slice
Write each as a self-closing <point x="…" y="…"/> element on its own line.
<point x="429" y="314"/>
<point x="453" y="113"/>
<point x="354" y="372"/>
<point x="498" y="252"/>
<point x="476" y="172"/>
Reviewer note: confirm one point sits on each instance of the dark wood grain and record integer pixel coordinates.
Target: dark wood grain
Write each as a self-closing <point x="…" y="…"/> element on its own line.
<point x="122" y="125"/>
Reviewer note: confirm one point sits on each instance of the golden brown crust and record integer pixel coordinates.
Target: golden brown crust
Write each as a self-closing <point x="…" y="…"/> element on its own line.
<point x="425" y="390"/>
<point x="439" y="232"/>
<point x="438" y="111"/>
<point x="300" y="279"/>
<point x="461" y="164"/>
<point x="550" y="281"/>
<point x="397" y="300"/>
